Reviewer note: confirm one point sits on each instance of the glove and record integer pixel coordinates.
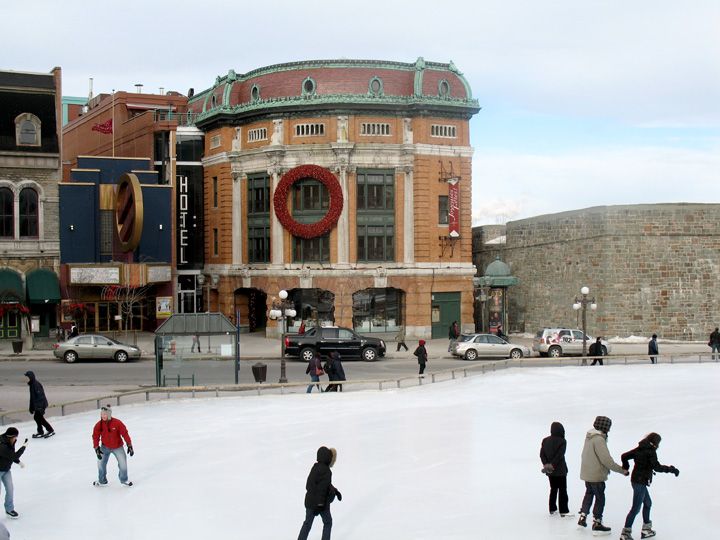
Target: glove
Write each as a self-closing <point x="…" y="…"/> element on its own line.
<point x="626" y="472"/>
<point x="675" y="471"/>
<point x="22" y="465"/>
<point x="98" y="453"/>
<point x="130" y="450"/>
<point x="548" y="468"/>
<point x="338" y="495"/>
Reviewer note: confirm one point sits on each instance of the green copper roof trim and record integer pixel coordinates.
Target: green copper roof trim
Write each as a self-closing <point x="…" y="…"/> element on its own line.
<point x="226" y="93"/>
<point x="419" y="71"/>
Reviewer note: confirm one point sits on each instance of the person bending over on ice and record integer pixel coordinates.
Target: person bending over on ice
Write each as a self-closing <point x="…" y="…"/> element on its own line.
<point x="320" y="493"/>
<point x="108" y="435"/>
<point x="595" y="466"/>
<point x="646" y="461"/>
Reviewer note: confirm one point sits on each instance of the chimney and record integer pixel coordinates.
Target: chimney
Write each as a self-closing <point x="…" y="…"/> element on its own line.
<point x="138" y="88"/>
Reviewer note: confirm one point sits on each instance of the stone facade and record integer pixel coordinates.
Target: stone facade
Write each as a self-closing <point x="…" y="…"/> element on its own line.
<point x="651" y="268"/>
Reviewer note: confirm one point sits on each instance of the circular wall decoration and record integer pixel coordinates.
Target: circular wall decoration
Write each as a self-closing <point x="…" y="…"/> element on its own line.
<point x="129" y="212"/>
<point x="280" y="201"/>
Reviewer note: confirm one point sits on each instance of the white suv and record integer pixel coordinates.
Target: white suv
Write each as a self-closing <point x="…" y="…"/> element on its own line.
<point x="555" y="342"/>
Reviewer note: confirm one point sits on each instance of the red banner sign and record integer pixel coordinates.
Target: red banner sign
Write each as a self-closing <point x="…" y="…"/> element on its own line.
<point x="105" y="127"/>
<point x="453" y="207"/>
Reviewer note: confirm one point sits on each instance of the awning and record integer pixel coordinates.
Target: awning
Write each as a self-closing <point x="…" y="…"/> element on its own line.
<point x="202" y="324"/>
<point x="11" y="286"/>
<point x="42" y="286"/>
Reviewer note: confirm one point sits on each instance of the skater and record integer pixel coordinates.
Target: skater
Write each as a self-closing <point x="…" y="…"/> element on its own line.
<point x="595" y="466"/>
<point x="596" y="349"/>
<point x="335" y="372"/>
<point x="8" y="456"/>
<point x="314" y="369"/>
<point x="453" y="334"/>
<point x="646" y="465"/>
<point x="714" y="344"/>
<point x="38" y="404"/>
<point x="400" y="338"/>
<point x="552" y="455"/>
<point x="320" y="493"/>
<point x="195" y="341"/>
<point x="421" y="353"/>
<point x="108" y="436"/>
<point x="653" y="350"/>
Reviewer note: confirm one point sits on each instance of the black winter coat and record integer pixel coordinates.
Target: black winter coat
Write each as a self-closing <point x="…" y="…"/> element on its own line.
<point x="38" y="401"/>
<point x="320" y="491"/>
<point x="652" y="347"/>
<point x="334" y="368"/>
<point x="8" y="455"/>
<point x="646" y="462"/>
<point x="421" y="353"/>
<point x="552" y="450"/>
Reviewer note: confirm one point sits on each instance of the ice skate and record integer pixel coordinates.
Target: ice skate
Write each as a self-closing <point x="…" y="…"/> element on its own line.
<point x="647" y="530"/>
<point x="100" y="484"/>
<point x="48" y="434"/>
<point x="38" y="435"/>
<point x="582" y="522"/>
<point x="626" y="534"/>
<point x="567" y="515"/>
<point x="599" y="529"/>
<point x="127" y="484"/>
<point x="12" y="514"/>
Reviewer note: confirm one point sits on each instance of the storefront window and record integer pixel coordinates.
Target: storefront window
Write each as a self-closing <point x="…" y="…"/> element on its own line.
<point x="313" y="306"/>
<point x="377" y="310"/>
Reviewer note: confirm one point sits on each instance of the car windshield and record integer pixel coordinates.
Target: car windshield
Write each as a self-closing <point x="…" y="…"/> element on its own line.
<point x="466" y="337"/>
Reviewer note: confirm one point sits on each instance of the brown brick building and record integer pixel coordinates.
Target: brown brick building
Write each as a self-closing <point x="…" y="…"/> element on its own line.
<point x="375" y="236"/>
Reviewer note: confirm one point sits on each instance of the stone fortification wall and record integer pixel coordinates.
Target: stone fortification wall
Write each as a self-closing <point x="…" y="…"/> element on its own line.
<point x="651" y="268"/>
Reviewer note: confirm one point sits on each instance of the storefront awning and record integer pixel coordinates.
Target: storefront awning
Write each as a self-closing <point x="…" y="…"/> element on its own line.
<point x="42" y="286"/>
<point x="11" y="286"/>
<point x="202" y="324"/>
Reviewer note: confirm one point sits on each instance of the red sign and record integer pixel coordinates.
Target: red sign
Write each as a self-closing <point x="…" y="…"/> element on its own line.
<point x="453" y="207"/>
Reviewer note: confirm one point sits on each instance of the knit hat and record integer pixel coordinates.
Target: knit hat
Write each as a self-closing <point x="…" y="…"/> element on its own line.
<point x="11" y="432"/>
<point x="108" y="409"/>
<point x="422" y="342"/>
<point x="654" y="439"/>
<point x="602" y="423"/>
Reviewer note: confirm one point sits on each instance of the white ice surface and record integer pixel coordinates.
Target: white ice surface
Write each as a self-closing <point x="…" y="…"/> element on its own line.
<point x="455" y="460"/>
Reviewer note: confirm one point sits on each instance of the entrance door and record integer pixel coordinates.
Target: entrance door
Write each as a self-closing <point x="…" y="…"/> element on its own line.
<point x="444" y="310"/>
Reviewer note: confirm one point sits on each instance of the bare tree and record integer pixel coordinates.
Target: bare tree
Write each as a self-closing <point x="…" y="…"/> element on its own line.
<point x="127" y="298"/>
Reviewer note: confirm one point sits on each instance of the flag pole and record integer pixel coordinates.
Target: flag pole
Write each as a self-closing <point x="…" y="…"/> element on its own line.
<point x="112" y="125"/>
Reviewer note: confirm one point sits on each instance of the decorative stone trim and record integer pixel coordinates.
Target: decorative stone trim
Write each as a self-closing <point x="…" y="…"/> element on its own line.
<point x="375" y="87"/>
<point x="309" y="87"/>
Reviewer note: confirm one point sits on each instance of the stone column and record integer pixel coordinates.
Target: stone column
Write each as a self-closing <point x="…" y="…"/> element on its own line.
<point x="408" y="218"/>
<point x="343" y="224"/>
<point x="237" y="224"/>
<point x="276" y="229"/>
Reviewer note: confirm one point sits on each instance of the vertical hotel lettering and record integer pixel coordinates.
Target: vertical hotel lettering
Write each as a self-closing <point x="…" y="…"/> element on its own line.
<point x="182" y="219"/>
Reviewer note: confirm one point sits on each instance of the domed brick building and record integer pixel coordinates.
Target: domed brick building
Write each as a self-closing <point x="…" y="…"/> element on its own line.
<point x="346" y="183"/>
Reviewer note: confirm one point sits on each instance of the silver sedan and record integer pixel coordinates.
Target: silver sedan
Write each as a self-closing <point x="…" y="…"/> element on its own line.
<point x="94" y="347"/>
<point x="474" y="346"/>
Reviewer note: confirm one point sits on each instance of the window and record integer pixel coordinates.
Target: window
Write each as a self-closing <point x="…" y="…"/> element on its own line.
<point x="27" y="130"/>
<point x="447" y="132"/>
<point x="7" y="215"/>
<point x="257" y="134"/>
<point x="215" y="191"/>
<point x="375" y="216"/>
<point x="215" y="141"/>
<point x="444" y="89"/>
<point x="375" y="88"/>
<point x="494" y="340"/>
<point x="255" y="93"/>
<point x="107" y="231"/>
<point x="309" y="130"/>
<point x="311" y="249"/>
<point x="374" y="128"/>
<point x="377" y="310"/>
<point x="28" y="213"/>
<point x="443" y="209"/>
<point x="310" y="203"/>
<point x="309" y="87"/>
<point x="258" y="218"/>
<point x="216" y="246"/>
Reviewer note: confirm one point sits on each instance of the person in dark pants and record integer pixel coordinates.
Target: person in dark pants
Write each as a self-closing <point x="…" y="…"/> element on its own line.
<point x="335" y="372"/>
<point x="646" y="465"/>
<point x="400" y="338"/>
<point x="421" y="353"/>
<point x="714" y="343"/>
<point x="596" y="349"/>
<point x="320" y="493"/>
<point x="38" y="404"/>
<point x="653" y="350"/>
<point x="74" y="332"/>
<point x="453" y="334"/>
<point x="552" y="455"/>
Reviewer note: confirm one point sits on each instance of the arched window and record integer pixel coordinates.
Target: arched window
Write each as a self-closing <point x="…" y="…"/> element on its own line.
<point x="28" y="213"/>
<point x="7" y="221"/>
<point x="27" y="130"/>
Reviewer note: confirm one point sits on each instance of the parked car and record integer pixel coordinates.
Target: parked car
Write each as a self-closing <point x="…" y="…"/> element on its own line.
<point x="326" y="339"/>
<point x="555" y="342"/>
<point x="474" y="346"/>
<point x="94" y="347"/>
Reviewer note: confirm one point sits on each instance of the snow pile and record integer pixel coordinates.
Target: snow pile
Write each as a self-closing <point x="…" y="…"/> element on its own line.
<point x="456" y="460"/>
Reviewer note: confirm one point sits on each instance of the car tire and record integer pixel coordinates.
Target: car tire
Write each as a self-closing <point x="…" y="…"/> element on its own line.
<point x="554" y="352"/>
<point x="121" y="356"/>
<point x="369" y="354"/>
<point x="307" y="354"/>
<point x="471" y="354"/>
<point x="604" y="350"/>
<point x="70" y="357"/>
<point x="515" y="354"/>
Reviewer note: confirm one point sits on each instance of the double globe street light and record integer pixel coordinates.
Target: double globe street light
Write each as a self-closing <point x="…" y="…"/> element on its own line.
<point x="582" y="303"/>
<point x="283" y="310"/>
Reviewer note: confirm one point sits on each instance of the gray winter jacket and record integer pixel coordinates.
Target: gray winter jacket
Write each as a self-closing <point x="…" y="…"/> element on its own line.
<point x="596" y="460"/>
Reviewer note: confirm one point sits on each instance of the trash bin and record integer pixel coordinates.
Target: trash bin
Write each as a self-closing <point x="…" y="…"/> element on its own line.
<point x="259" y="371"/>
<point x="17" y="346"/>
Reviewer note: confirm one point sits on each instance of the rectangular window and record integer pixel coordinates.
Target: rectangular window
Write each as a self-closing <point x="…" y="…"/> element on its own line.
<point x="216" y="246"/>
<point x="375" y="215"/>
<point x="443" y="209"/>
<point x="257" y="134"/>
<point x="374" y="128"/>
<point x="309" y="130"/>
<point x="444" y="131"/>
<point x="215" y="141"/>
<point x="311" y="249"/>
<point x="258" y="218"/>
<point x="215" y="191"/>
<point x="107" y="230"/>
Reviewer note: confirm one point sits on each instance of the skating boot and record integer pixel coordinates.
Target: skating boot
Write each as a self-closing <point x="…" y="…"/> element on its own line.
<point x="599" y="529"/>
<point x="582" y="521"/>
<point x="647" y="530"/>
<point x="626" y="534"/>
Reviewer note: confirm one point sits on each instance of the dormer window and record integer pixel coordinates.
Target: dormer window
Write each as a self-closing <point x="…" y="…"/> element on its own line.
<point x="309" y="87"/>
<point x="27" y="130"/>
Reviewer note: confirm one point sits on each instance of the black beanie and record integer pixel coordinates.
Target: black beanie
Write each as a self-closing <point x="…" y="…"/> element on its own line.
<point x="11" y="432"/>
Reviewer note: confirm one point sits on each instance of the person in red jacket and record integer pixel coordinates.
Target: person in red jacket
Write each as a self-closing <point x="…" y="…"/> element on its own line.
<point x="108" y="436"/>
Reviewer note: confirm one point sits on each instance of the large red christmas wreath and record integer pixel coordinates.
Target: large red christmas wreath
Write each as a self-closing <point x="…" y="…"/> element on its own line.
<point x="280" y="201"/>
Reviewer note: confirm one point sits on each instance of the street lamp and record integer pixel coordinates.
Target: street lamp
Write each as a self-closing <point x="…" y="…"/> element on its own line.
<point x="582" y="303"/>
<point x="282" y="310"/>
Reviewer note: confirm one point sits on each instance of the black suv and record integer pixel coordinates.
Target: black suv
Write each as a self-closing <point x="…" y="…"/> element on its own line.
<point x="324" y="340"/>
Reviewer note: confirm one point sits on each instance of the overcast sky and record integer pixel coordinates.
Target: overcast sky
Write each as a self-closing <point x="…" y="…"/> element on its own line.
<point x="584" y="103"/>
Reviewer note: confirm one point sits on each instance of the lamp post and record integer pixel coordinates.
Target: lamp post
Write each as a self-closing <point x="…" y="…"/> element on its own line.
<point x="282" y="310"/>
<point x="582" y="303"/>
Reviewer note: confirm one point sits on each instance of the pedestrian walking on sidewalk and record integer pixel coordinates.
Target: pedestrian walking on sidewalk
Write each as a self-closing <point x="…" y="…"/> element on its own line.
<point x="8" y="456"/>
<point x="653" y="349"/>
<point x="714" y="344"/>
<point x="453" y="334"/>
<point x="596" y="350"/>
<point x="422" y="356"/>
<point x="38" y="405"/>
<point x="320" y="493"/>
<point x="552" y="455"/>
<point x="195" y="342"/>
<point x="400" y="339"/>
<point x="314" y="369"/>
<point x="108" y="436"/>
<point x="335" y="372"/>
